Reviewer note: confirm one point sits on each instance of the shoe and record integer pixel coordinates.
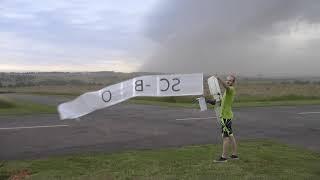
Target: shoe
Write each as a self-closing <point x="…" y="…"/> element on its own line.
<point x="221" y="160"/>
<point x="234" y="157"/>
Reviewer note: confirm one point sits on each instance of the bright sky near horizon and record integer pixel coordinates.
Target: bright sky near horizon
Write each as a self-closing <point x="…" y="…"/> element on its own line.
<point x="246" y="37"/>
<point x="73" y="35"/>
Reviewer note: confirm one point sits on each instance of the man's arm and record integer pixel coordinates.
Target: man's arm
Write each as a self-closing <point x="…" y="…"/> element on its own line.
<point x="223" y="83"/>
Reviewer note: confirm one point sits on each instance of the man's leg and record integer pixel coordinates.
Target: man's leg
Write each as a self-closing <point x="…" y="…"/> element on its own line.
<point x="233" y="144"/>
<point x="226" y="142"/>
<point x="223" y="157"/>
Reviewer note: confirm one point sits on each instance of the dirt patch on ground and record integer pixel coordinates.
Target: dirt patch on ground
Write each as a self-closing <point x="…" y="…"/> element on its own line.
<point x="21" y="175"/>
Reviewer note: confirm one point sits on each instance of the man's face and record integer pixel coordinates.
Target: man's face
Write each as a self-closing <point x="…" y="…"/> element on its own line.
<point x="230" y="80"/>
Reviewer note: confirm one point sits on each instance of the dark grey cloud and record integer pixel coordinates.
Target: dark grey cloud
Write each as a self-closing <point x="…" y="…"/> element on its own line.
<point x="249" y="37"/>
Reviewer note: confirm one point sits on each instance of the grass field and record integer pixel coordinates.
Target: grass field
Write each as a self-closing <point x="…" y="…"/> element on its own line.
<point x="6" y="104"/>
<point x="259" y="160"/>
<point x="13" y="107"/>
<point x="246" y="92"/>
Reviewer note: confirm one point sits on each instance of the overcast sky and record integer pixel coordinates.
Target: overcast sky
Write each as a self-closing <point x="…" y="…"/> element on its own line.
<point x="247" y="37"/>
<point x="76" y="35"/>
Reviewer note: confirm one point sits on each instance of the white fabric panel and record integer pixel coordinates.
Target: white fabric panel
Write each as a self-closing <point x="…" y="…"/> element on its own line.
<point x="156" y="85"/>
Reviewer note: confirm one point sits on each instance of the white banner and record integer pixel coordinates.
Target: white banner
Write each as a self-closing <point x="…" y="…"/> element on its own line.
<point x="156" y="85"/>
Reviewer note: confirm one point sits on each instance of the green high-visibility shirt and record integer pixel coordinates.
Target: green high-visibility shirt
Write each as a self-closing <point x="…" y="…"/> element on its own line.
<point x="226" y="104"/>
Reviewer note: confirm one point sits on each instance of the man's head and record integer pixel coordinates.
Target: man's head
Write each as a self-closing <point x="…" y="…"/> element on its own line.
<point x="230" y="80"/>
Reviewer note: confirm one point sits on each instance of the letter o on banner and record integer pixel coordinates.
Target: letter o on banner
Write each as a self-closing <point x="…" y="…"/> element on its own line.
<point x="106" y="96"/>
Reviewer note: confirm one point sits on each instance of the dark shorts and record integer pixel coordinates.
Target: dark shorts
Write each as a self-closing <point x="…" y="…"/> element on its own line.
<point x="226" y="128"/>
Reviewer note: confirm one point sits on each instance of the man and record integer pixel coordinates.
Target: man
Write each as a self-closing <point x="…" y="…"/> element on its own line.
<point x="226" y="116"/>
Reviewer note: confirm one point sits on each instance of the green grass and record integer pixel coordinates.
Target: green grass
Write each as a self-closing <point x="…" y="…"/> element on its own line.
<point x="67" y="94"/>
<point x="259" y="160"/>
<point x="290" y="97"/>
<point x="277" y="103"/>
<point x="236" y="104"/>
<point x="13" y="107"/>
<point x="6" y="104"/>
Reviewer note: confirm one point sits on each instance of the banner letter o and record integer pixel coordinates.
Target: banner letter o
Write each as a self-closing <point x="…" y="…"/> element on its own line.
<point x="106" y="96"/>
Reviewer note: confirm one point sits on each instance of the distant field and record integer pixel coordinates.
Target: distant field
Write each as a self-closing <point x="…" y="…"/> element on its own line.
<point x="236" y="104"/>
<point x="13" y="107"/>
<point x="277" y="90"/>
<point x="249" y="90"/>
<point x="245" y="91"/>
<point x="258" y="160"/>
<point x="54" y="90"/>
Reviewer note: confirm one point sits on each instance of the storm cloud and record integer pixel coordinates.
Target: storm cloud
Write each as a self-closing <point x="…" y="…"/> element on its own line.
<point x="247" y="37"/>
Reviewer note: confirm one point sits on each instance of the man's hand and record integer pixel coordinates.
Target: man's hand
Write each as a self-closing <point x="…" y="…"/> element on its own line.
<point x="195" y="100"/>
<point x="212" y="102"/>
